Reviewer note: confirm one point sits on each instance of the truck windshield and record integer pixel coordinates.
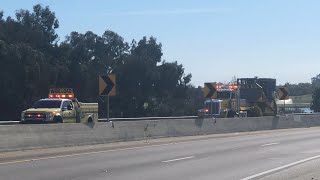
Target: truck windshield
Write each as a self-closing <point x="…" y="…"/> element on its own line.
<point x="47" y="104"/>
<point x="223" y="95"/>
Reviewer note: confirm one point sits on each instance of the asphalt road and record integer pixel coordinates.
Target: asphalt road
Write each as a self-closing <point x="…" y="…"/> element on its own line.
<point x="305" y="171"/>
<point x="260" y="155"/>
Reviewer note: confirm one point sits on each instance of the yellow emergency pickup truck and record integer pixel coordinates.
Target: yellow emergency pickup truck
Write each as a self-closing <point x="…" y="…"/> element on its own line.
<point x="61" y="108"/>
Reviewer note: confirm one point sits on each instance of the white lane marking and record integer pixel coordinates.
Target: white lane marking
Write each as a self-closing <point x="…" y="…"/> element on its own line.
<point x="105" y="151"/>
<point x="179" y="159"/>
<point x="280" y="168"/>
<point x="311" y="152"/>
<point x="270" y="144"/>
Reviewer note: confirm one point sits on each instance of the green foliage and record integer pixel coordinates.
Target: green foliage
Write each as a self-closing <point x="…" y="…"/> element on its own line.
<point x="36" y="28"/>
<point x="304" y="88"/>
<point x="316" y="81"/>
<point x="31" y="62"/>
<point x="300" y="89"/>
<point x="315" y="104"/>
<point x="308" y="88"/>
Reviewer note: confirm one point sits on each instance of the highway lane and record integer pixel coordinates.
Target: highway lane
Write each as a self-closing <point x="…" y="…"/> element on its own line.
<point x="236" y="157"/>
<point x="305" y="171"/>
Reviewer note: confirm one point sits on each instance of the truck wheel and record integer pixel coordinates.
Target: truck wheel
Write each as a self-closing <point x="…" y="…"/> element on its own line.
<point x="90" y="120"/>
<point x="57" y="119"/>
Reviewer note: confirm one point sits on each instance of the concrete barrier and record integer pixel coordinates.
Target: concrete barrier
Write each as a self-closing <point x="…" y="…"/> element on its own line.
<point x="20" y="137"/>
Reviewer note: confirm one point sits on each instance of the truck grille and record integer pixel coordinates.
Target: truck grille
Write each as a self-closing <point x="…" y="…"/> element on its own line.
<point x="213" y="108"/>
<point x="35" y="116"/>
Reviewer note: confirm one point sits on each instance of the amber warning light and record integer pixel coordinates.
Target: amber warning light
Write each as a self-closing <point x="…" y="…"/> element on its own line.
<point x="61" y="93"/>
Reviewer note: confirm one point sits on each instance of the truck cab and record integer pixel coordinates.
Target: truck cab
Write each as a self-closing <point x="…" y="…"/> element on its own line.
<point x="222" y="106"/>
<point x="50" y="110"/>
<point x="60" y="108"/>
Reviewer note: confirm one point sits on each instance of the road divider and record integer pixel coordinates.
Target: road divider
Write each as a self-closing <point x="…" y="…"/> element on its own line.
<point x="31" y="136"/>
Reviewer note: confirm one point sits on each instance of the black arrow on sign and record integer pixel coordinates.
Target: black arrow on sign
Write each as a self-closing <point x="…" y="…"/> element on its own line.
<point x="284" y="93"/>
<point x="109" y="86"/>
<point x="212" y="90"/>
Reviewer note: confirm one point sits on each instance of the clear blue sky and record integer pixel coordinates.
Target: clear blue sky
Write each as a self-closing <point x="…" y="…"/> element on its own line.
<point x="214" y="40"/>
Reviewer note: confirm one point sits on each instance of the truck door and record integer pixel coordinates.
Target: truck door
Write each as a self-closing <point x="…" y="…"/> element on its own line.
<point x="76" y="107"/>
<point x="68" y="113"/>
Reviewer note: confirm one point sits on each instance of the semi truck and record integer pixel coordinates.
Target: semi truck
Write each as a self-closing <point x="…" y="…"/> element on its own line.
<point x="251" y="97"/>
<point x="224" y="105"/>
<point x="61" y="107"/>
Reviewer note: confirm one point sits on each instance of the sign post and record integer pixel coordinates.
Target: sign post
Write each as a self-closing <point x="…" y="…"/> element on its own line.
<point x="283" y="94"/>
<point x="108" y="108"/>
<point x="107" y="87"/>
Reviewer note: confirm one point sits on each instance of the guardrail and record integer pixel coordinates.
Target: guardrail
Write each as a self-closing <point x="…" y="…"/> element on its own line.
<point x="147" y="118"/>
<point x="304" y="113"/>
<point x="9" y="122"/>
<point x="119" y="119"/>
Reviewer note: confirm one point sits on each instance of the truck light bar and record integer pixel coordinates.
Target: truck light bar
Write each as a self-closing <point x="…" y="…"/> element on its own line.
<point x="68" y="96"/>
<point x="232" y="86"/>
<point x="61" y="93"/>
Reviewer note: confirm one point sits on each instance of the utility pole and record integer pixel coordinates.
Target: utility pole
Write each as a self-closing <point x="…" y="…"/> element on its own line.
<point x="238" y="96"/>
